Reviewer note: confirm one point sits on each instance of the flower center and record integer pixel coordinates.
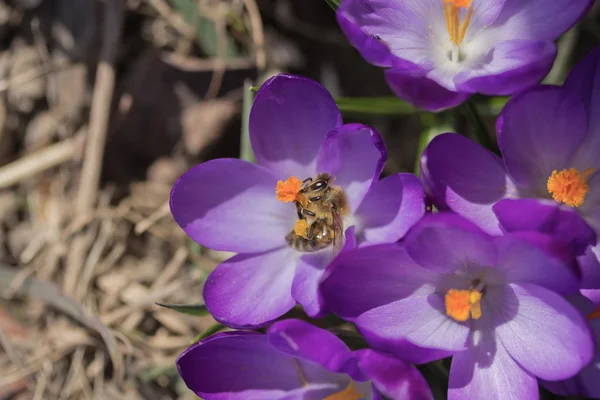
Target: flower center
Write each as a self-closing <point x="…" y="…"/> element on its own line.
<point x="457" y="28"/>
<point x="350" y="393"/>
<point x="462" y="304"/>
<point x="569" y="186"/>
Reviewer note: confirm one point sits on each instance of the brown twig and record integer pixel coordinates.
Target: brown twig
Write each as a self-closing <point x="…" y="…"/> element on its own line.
<point x="258" y="35"/>
<point x="39" y="161"/>
<point x="100" y="108"/>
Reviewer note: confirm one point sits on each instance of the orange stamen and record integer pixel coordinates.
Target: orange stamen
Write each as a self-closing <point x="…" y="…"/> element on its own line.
<point x="594" y="314"/>
<point x="457" y="29"/>
<point x="287" y="191"/>
<point x="460" y="304"/>
<point x="301" y="228"/>
<point x="569" y="186"/>
<point x="349" y="393"/>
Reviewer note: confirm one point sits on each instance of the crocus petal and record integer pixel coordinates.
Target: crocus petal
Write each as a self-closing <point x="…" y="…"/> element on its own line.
<point x="305" y="287"/>
<point x="310" y="269"/>
<point x="590" y="208"/>
<point x="538" y="132"/>
<point x="380" y="273"/>
<point x="444" y="248"/>
<point x="391" y="208"/>
<point x="405" y="350"/>
<point x="251" y="289"/>
<point x="461" y="175"/>
<point x="217" y="204"/>
<point x="415" y="87"/>
<point x="354" y="154"/>
<point x="418" y="318"/>
<point x="303" y="340"/>
<point x="508" y="67"/>
<point x="564" y="224"/>
<point x="289" y="120"/>
<point x="396" y="379"/>
<point x="480" y="371"/>
<point x="238" y="362"/>
<point x="584" y="83"/>
<point x="522" y="262"/>
<point x="540" y="19"/>
<point x="547" y="336"/>
<point x="368" y="30"/>
<point x="589" y="265"/>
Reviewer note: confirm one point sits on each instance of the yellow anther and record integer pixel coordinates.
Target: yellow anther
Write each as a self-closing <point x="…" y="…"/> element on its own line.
<point x="457" y="29"/>
<point x="569" y="186"/>
<point x="460" y="304"/>
<point x="287" y="191"/>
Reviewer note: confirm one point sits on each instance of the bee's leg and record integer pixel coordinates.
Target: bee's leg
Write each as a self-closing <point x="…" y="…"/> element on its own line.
<point x="299" y="210"/>
<point x="316" y="198"/>
<point x="308" y="212"/>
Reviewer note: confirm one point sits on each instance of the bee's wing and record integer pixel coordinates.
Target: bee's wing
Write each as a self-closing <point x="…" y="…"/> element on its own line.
<point x="338" y="233"/>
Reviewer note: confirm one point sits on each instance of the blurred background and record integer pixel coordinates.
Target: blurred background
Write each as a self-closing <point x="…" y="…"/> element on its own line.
<point x="103" y="105"/>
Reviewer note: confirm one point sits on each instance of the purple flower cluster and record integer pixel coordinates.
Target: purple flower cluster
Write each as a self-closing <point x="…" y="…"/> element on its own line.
<point x="503" y="276"/>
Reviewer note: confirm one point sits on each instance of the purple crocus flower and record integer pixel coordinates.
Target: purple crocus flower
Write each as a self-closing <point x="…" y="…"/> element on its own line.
<point x="550" y="141"/>
<point x="293" y="361"/>
<point x="494" y="303"/>
<point x="438" y="52"/>
<point x="296" y="131"/>
<point x="587" y="382"/>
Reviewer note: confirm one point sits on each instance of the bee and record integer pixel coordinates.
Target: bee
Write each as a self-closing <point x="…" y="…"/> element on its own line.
<point x="323" y="206"/>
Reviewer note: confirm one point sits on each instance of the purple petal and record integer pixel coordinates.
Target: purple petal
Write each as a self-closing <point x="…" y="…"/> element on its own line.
<point x="540" y="19"/>
<point x="381" y="274"/>
<point x="413" y="86"/>
<point x="590" y="209"/>
<point x="300" y="339"/>
<point x="488" y="369"/>
<point x="249" y="290"/>
<point x="391" y="208"/>
<point x="589" y="265"/>
<point x="547" y="336"/>
<point x="564" y="224"/>
<point x="216" y="205"/>
<point x="405" y="350"/>
<point x="419" y="318"/>
<point x="446" y="248"/>
<point x="237" y="365"/>
<point x="305" y="287"/>
<point x="309" y="271"/>
<point x="522" y="262"/>
<point x="392" y="377"/>
<point x="538" y="132"/>
<point x="289" y="120"/>
<point x="368" y="29"/>
<point x="461" y="175"/>
<point x="508" y="67"/>
<point x="354" y="154"/>
<point x="584" y="83"/>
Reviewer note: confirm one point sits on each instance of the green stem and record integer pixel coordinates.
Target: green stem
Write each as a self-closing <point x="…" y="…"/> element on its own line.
<point x="246" y="152"/>
<point x="483" y="136"/>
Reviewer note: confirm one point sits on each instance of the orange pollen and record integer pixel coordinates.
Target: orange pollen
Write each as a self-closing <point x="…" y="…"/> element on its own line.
<point x="569" y="186"/>
<point x="350" y="393"/>
<point x="460" y="304"/>
<point x="288" y="190"/>
<point x="457" y="29"/>
<point x="594" y="314"/>
<point x="301" y="228"/>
